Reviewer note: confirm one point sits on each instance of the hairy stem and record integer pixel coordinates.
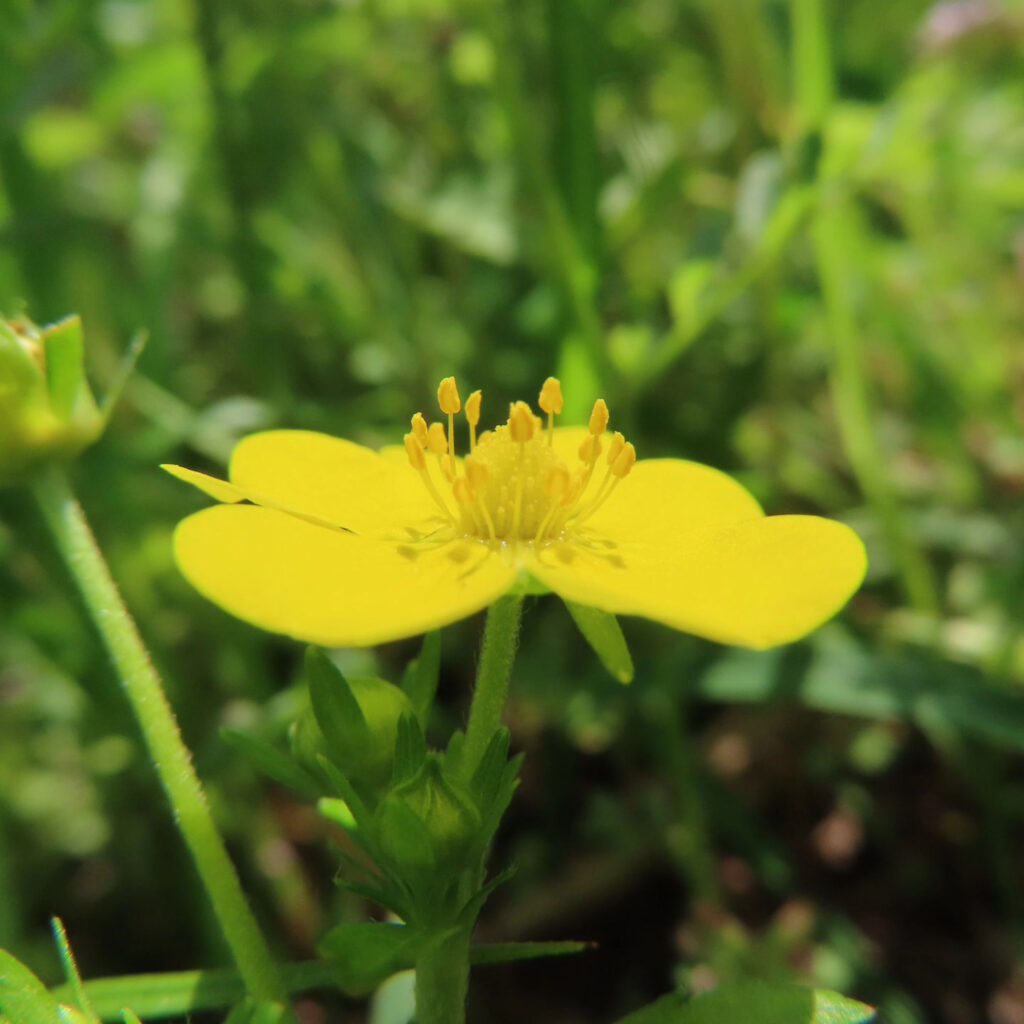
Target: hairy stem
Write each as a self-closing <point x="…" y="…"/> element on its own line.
<point x="501" y="635"/>
<point x="168" y="752"/>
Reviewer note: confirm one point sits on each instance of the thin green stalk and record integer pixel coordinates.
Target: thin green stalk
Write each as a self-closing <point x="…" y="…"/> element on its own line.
<point x="442" y="980"/>
<point x="169" y="754"/>
<point x="837" y="241"/>
<point x="501" y="634"/>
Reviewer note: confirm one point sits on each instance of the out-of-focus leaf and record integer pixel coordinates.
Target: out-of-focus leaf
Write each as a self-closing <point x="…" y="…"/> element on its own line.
<point x="755" y="1002"/>
<point x="844" y="678"/>
<point x="23" y="997"/>
<point x="272" y="762"/>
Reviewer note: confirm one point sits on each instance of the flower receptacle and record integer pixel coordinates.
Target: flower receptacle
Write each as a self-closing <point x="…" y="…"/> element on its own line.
<point x="47" y="411"/>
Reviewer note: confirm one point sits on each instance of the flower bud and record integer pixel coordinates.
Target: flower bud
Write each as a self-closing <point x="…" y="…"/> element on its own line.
<point x="47" y="411"/>
<point x="449" y="819"/>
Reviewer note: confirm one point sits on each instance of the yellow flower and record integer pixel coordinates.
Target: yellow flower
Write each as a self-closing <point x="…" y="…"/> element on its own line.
<point x="333" y="543"/>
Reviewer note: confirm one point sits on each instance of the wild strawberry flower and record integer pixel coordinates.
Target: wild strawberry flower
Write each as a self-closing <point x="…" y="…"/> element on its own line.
<point x="336" y="544"/>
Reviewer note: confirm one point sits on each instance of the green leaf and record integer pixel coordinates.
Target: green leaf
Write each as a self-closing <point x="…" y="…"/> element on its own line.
<point x="422" y="675"/>
<point x="513" y="952"/>
<point x="23" y="997"/>
<point x="65" y="369"/>
<point x="71" y="969"/>
<point x="272" y="762"/>
<point x="129" y="1017"/>
<point x="843" y="678"/>
<point x="601" y="630"/>
<point x="367" y="953"/>
<point x="410" y="749"/>
<point x="755" y="1002"/>
<point x="337" y="711"/>
<point x="124" y="372"/>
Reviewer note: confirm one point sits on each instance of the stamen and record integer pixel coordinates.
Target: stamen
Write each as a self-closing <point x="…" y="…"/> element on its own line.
<point x="521" y="422"/>
<point x="419" y="428"/>
<point x="418" y="462"/>
<point x="473" y="416"/>
<point x="448" y="399"/>
<point x="551" y="402"/>
<point x="515" y="488"/>
<point x="598" y="418"/>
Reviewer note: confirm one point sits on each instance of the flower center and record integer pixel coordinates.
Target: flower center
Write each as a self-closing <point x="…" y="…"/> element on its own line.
<point x="513" y="486"/>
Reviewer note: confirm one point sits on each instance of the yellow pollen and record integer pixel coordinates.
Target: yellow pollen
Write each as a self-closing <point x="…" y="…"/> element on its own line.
<point x="414" y="450"/>
<point x="448" y="397"/>
<point x="598" y="418"/>
<point x="419" y="428"/>
<point x="514" y="487"/>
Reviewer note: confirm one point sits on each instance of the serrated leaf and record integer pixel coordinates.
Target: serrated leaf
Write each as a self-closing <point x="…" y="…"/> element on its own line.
<point x="422" y="675"/>
<point x="272" y="762"/>
<point x="602" y="631"/>
<point x="755" y="1002"/>
<point x="23" y="997"/>
<point x="367" y="953"/>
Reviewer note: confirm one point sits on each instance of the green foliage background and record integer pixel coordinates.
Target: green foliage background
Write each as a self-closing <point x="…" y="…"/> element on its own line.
<point x="782" y="237"/>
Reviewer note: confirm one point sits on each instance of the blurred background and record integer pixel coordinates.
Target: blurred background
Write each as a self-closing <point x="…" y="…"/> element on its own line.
<point x="785" y="237"/>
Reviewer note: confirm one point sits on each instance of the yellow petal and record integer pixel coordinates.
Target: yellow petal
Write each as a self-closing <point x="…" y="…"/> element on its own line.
<point x="662" y="498"/>
<point x="756" y="583"/>
<point x="329" y="479"/>
<point x="219" y="490"/>
<point x="331" y="587"/>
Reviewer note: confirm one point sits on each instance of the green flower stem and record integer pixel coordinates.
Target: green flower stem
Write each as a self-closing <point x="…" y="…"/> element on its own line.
<point x="170" y="756"/>
<point x="501" y="634"/>
<point x="442" y="979"/>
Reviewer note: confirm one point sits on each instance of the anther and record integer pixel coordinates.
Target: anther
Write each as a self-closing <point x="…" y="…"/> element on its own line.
<point x="476" y="472"/>
<point x="618" y="442"/>
<point x="414" y="450"/>
<point x="463" y="490"/>
<point x="557" y="482"/>
<point x="521" y="422"/>
<point x="473" y="416"/>
<point x="551" y="402"/>
<point x="590" y="449"/>
<point x="624" y="460"/>
<point x="437" y="440"/>
<point x="448" y="397"/>
<point x="598" y="418"/>
<point x="419" y="428"/>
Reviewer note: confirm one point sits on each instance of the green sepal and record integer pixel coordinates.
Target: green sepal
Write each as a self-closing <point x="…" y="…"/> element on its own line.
<point x="337" y="711"/>
<point x="403" y="837"/>
<point x="272" y="762"/>
<point x="421" y="677"/>
<point x="358" y="718"/>
<point x="602" y="631"/>
<point x="64" y="352"/>
<point x="23" y="997"/>
<point x="367" y="953"/>
<point x="513" y="952"/>
<point x="129" y="1016"/>
<point x="528" y="586"/>
<point x="755" y="1002"/>
<point x="410" y="749"/>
